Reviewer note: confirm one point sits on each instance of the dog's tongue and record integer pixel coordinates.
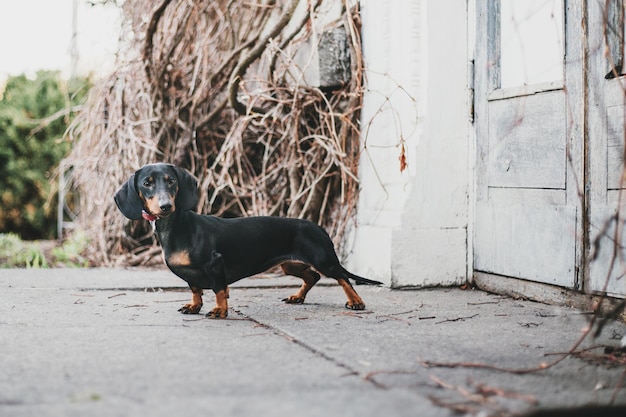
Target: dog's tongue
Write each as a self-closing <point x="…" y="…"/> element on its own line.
<point x="148" y="216"/>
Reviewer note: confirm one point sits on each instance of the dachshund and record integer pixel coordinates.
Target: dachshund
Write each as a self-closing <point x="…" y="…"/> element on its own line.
<point x="210" y="252"/>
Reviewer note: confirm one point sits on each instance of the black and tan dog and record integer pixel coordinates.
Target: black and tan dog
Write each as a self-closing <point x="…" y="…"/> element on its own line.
<point x="211" y="253"/>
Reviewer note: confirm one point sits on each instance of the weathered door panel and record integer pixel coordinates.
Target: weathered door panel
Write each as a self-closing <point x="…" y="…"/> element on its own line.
<point x="614" y="147"/>
<point x="529" y="242"/>
<point x="608" y="265"/>
<point x="527" y="142"/>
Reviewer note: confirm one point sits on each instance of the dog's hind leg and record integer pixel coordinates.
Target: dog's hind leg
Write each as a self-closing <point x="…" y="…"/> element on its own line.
<point x="308" y="275"/>
<point x="354" y="301"/>
<point x="336" y="271"/>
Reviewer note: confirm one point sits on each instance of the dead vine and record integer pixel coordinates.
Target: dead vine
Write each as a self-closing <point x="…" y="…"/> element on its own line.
<point x="216" y="87"/>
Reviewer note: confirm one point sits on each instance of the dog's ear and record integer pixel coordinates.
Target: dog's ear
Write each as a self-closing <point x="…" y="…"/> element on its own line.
<point x="187" y="197"/>
<point x="128" y="201"/>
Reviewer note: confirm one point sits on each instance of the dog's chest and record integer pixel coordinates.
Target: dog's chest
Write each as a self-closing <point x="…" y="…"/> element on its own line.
<point x="182" y="265"/>
<point x="178" y="258"/>
<point x="172" y="255"/>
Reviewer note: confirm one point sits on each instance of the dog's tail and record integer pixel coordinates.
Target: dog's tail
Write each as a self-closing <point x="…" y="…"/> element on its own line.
<point x="359" y="279"/>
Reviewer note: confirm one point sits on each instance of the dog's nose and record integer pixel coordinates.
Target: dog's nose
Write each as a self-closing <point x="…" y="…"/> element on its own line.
<point x="166" y="207"/>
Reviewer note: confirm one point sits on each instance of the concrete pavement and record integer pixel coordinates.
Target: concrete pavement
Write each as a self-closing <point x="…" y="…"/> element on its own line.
<point x="110" y="342"/>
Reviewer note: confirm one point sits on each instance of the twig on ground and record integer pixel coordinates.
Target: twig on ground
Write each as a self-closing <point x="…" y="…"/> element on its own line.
<point x="458" y="319"/>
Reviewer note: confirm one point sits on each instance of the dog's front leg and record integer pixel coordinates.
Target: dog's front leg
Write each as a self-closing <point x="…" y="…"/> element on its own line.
<point x="196" y="302"/>
<point x="221" y="305"/>
<point x="215" y="270"/>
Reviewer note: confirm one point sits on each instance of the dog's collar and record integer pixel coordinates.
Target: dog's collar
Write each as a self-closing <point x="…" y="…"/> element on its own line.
<point x="148" y="216"/>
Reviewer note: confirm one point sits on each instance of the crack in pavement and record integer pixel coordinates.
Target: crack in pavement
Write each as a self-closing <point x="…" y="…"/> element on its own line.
<point x="336" y="362"/>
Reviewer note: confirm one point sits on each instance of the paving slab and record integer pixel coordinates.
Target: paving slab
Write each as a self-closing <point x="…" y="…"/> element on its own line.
<point x="110" y="342"/>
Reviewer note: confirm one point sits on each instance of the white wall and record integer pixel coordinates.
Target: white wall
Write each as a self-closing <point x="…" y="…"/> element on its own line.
<point x="412" y="226"/>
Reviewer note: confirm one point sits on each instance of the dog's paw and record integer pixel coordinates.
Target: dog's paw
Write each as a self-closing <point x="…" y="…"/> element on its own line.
<point x="355" y="306"/>
<point x="190" y="308"/>
<point x="294" y="299"/>
<point x="217" y="313"/>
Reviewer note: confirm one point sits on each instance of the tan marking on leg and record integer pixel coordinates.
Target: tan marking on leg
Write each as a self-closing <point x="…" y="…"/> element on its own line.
<point x="354" y="301"/>
<point x="179" y="259"/>
<point x="309" y="277"/>
<point x="196" y="302"/>
<point x="221" y="305"/>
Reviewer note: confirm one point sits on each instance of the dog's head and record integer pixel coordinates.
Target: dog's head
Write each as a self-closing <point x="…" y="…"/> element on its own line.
<point x="159" y="190"/>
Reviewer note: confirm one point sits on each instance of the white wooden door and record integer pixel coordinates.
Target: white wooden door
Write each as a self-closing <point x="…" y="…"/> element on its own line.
<point x="606" y="102"/>
<point x="529" y="129"/>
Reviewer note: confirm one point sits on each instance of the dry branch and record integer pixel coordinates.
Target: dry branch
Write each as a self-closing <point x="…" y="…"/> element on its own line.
<point x="253" y="55"/>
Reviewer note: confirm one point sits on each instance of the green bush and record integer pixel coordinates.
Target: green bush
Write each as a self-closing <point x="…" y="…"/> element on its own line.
<point x="70" y="254"/>
<point x="16" y="253"/>
<point x="34" y="115"/>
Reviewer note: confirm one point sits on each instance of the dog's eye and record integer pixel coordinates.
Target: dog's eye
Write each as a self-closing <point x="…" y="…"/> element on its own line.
<point x="171" y="181"/>
<point x="147" y="183"/>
